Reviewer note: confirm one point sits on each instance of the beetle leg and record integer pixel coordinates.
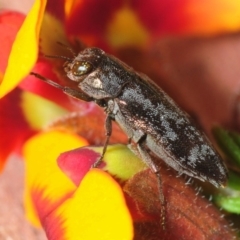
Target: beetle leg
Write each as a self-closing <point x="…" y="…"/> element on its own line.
<point x="129" y="141"/>
<point x="69" y="91"/>
<point x="140" y="150"/>
<point x="108" y="127"/>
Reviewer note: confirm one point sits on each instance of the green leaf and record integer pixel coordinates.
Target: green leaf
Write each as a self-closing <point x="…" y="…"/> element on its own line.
<point x="229" y="197"/>
<point x="229" y="143"/>
<point x="234" y="181"/>
<point x="229" y="204"/>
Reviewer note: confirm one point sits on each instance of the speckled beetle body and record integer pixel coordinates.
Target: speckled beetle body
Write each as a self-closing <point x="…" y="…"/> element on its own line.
<point x="148" y="116"/>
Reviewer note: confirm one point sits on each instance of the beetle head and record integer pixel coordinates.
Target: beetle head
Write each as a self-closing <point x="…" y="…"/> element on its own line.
<point x="83" y="64"/>
<point x="87" y="70"/>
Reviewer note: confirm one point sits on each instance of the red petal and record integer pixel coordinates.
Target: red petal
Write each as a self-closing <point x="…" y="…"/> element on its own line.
<point x="160" y="16"/>
<point x="10" y="22"/>
<point x="91" y="18"/>
<point x="13" y="127"/>
<point x="46" y="185"/>
<point x="24" y="50"/>
<point x="96" y="210"/>
<point x="56" y="8"/>
<point x="188" y="17"/>
<point x="37" y="86"/>
<point x="76" y="163"/>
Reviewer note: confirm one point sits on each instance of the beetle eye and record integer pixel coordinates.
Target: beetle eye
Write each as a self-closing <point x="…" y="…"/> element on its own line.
<point x="81" y="68"/>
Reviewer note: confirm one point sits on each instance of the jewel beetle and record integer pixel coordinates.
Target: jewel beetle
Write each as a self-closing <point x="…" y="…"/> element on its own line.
<point x="153" y="122"/>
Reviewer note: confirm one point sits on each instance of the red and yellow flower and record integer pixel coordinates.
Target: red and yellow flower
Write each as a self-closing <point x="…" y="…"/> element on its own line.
<point x="63" y="194"/>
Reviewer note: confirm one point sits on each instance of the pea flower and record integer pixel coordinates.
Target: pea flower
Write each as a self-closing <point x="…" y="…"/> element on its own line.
<point x="119" y="200"/>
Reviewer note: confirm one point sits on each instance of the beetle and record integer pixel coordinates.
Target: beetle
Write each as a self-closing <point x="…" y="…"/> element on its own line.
<point x="152" y="121"/>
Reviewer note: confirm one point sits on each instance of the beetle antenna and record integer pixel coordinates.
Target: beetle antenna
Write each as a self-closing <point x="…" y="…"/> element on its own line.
<point x="59" y="56"/>
<point x="47" y="80"/>
<point x="67" y="47"/>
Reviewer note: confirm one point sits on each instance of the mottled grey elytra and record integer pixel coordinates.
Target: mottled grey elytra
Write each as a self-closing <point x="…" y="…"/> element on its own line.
<point x="149" y="117"/>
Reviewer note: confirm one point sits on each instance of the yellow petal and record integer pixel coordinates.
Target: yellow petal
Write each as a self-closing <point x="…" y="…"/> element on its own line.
<point x="211" y="17"/>
<point x="24" y="50"/>
<point x="44" y="180"/>
<point x="68" y="6"/>
<point x="38" y="111"/>
<point x="96" y="211"/>
<point x="125" y="29"/>
<point x="49" y="46"/>
<point x="120" y="161"/>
